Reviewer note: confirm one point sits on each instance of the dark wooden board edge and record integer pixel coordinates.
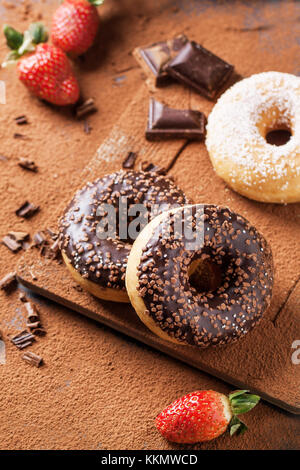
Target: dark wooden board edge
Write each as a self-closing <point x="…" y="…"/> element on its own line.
<point x="153" y="342"/>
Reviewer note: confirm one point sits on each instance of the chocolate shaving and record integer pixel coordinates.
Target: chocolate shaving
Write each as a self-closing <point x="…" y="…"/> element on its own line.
<point x="32" y="359"/>
<point x="19" y="136"/>
<point x="20" y="120"/>
<point x="129" y="161"/>
<point x="18" y="236"/>
<point x="85" y="108"/>
<point x="23" y="339"/>
<point x="8" y="281"/>
<point x="11" y="244"/>
<point x="22" y="297"/>
<point x="39" y="239"/>
<point x="39" y="332"/>
<point x="146" y="166"/>
<point x="33" y="325"/>
<point x="52" y="234"/>
<point x="32" y="312"/>
<point x="27" y="164"/>
<point x="27" y="210"/>
<point x="86" y="127"/>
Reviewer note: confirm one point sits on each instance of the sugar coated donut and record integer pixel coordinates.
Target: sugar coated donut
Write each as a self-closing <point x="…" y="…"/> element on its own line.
<point x="161" y="276"/>
<point x="96" y="262"/>
<point x="236" y="137"/>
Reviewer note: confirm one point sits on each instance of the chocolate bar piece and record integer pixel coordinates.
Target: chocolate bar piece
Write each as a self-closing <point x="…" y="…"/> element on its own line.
<point x="168" y="123"/>
<point x="200" y="69"/>
<point x="155" y="57"/>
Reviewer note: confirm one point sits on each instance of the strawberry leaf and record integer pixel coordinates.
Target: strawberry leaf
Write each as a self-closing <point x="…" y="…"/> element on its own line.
<point x="241" y="401"/>
<point x="38" y="33"/>
<point x="96" y="3"/>
<point x="237" y="426"/>
<point x="14" y="39"/>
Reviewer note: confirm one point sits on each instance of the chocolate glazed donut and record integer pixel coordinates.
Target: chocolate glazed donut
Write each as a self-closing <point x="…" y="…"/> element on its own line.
<point x="207" y="282"/>
<point x="99" y="265"/>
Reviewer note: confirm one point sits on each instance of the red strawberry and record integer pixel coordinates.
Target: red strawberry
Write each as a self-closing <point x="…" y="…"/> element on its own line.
<point x="204" y="415"/>
<point x="75" y="24"/>
<point x="48" y="74"/>
<point x="47" y="71"/>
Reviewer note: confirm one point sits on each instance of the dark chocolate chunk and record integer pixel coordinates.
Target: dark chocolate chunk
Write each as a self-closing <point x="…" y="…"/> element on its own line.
<point x="26" y="210"/>
<point x="27" y="164"/>
<point x="168" y="123"/>
<point x="11" y="244"/>
<point x="21" y="120"/>
<point x="32" y="359"/>
<point x="200" y="69"/>
<point x="154" y="58"/>
<point x="23" y="339"/>
<point x="85" y="108"/>
<point x="130" y="160"/>
<point x="9" y="281"/>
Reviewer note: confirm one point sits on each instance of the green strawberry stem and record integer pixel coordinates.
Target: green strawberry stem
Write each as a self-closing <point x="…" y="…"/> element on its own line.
<point x="96" y="3"/>
<point x="241" y="401"/>
<point x="21" y="43"/>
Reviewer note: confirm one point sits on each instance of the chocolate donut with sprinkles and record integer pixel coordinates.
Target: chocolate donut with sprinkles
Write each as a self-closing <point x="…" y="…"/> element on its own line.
<point x="98" y="263"/>
<point x="200" y="275"/>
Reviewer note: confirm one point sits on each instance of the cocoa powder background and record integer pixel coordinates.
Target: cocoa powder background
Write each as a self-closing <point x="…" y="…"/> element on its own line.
<point x="99" y="389"/>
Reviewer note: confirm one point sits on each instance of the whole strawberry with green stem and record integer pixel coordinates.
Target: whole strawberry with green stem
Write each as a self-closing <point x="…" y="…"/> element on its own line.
<point x="75" y="24"/>
<point x="204" y="415"/>
<point x="44" y="69"/>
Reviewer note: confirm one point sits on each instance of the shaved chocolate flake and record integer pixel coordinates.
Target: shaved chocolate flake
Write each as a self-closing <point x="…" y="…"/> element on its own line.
<point x="11" y="244"/>
<point x="32" y="359"/>
<point x="39" y="239"/>
<point x="39" y="332"/>
<point x="85" y="108"/>
<point x="146" y="166"/>
<point x="19" y="136"/>
<point x="53" y="235"/>
<point x="27" y="164"/>
<point x="27" y="210"/>
<point x="86" y="127"/>
<point x="200" y="69"/>
<point x="9" y="281"/>
<point x="32" y="312"/>
<point x="21" y="120"/>
<point x="23" y="339"/>
<point x="129" y="160"/>
<point x="168" y="123"/>
<point x="18" y="236"/>
<point x="22" y="297"/>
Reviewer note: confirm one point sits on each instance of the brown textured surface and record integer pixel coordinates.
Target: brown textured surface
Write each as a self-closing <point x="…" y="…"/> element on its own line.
<point x="94" y="379"/>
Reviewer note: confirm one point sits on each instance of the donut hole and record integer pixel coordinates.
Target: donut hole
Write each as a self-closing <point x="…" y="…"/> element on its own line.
<point x="205" y="276"/>
<point x="278" y="136"/>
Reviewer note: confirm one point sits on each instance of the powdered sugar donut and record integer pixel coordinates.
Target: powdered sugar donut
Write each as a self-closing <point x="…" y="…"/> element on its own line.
<point x="236" y="137"/>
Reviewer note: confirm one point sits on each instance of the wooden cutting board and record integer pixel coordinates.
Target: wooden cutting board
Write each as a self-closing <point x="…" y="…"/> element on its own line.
<point x="262" y="361"/>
